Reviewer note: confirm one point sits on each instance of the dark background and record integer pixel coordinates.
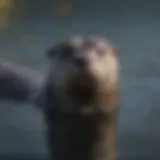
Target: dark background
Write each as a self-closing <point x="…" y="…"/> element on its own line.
<point x="133" y="26"/>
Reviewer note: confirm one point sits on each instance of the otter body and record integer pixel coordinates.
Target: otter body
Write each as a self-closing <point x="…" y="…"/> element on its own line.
<point x="81" y="100"/>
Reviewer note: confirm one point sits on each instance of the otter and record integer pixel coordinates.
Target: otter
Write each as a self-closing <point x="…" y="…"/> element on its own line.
<point x="81" y="96"/>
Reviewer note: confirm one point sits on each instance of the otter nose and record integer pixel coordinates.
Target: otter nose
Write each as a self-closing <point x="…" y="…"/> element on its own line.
<point x="80" y="62"/>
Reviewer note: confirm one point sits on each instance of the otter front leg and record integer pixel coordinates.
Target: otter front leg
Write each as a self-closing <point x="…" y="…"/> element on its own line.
<point x="105" y="146"/>
<point x="57" y="138"/>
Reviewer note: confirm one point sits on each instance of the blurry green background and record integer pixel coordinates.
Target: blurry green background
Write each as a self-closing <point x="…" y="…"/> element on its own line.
<point x="28" y="27"/>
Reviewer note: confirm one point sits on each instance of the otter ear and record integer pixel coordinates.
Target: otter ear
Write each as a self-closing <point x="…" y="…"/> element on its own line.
<point x="115" y="50"/>
<point x="50" y="52"/>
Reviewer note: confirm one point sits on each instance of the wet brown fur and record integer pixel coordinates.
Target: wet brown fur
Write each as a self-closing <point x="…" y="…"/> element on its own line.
<point x="75" y="136"/>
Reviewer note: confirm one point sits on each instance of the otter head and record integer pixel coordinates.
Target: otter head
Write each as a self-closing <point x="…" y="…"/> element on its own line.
<point x="80" y="67"/>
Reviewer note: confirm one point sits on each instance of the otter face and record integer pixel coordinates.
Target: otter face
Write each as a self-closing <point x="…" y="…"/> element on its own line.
<point x="102" y="61"/>
<point x="81" y="66"/>
<point x="63" y="62"/>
